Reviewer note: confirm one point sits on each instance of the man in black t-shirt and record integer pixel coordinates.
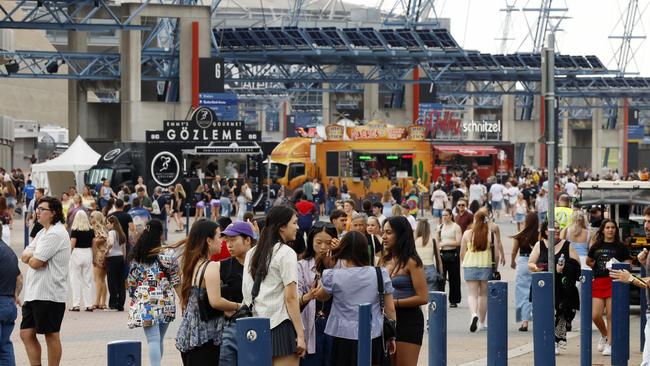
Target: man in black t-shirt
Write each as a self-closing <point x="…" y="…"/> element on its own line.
<point x="126" y="221"/>
<point x="11" y="283"/>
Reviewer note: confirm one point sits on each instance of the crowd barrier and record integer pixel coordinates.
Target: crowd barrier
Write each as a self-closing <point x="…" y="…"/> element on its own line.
<point x="254" y="334"/>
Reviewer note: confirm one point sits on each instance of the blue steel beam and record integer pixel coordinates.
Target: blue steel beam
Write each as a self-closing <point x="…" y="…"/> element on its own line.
<point x="81" y="15"/>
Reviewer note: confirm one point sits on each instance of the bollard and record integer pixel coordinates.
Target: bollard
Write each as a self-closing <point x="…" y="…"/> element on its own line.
<point x="125" y="353"/>
<point x="187" y="219"/>
<point x="544" y="315"/>
<point x="643" y="303"/>
<point x="254" y="342"/>
<point x="364" y="349"/>
<point x="620" y="320"/>
<point x="26" y="229"/>
<point x="497" y="323"/>
<point x="585" y="316"/>
<point x="438" y="328"/>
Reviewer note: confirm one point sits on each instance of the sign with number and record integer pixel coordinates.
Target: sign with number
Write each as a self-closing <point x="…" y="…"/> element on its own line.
<point x="211" y="75"/>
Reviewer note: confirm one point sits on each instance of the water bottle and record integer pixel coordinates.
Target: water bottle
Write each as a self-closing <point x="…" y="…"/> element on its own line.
<point x="560" y="261"/>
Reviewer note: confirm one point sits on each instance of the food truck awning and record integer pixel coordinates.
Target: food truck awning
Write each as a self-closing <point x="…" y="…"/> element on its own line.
<point x="468" y="150"/>
<point x="226" y="148"/>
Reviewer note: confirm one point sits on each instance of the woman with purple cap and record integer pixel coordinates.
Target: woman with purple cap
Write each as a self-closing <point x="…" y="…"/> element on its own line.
<point x="239" y="238"/>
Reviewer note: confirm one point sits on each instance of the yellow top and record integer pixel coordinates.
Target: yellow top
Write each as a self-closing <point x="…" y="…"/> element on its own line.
<point x="563" y="216"/>
<point x="481" y="259"/>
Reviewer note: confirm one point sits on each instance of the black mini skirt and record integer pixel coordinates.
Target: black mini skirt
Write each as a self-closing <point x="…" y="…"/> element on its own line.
<point x="283" y="339"/>
<point x="410" y="325"/>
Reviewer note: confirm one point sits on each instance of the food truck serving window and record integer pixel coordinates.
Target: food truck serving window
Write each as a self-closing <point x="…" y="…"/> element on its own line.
<point x="384" y="165"/>
<point x="95" y="175"/>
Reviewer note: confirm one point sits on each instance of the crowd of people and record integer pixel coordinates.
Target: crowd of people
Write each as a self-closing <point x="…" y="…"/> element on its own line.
<point x="306" y="275"/>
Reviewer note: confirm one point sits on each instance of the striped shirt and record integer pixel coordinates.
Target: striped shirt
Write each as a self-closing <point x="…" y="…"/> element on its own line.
<point x="49" y="283"/>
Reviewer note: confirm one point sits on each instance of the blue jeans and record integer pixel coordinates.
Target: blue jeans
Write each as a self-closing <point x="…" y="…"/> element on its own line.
<point x="323" y="346"/>
<point x="8" y="315"/>
<point x="228" y="355"/>
<point x="155" y="339"/>
<point x="329" y="205"/>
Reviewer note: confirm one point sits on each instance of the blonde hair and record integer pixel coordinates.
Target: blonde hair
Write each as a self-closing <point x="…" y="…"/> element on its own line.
<point x="396" y="210"/>
<point x="179" y="190"/>
<point x="98" y="223"/>
<point x="81" y="222"/>
<point x="578" y="223"/>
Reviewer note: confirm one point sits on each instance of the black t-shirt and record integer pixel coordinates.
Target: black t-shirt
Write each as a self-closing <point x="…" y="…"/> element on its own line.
<point x="84" y="238"/>
<point x="332" y="191"/>
<point x="456" y="194"/>
<point x="124" y="220"/>
<point x="162" y="201"/>
<point x="232" y="273"/>
<point x="396" y="192"/>
<point x="601" y="253"/>
<point x="8" y="270"/>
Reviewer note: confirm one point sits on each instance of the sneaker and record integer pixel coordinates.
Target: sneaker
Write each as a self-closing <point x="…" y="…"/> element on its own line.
<point x="601" y="343"/>
<point x="562" y="345"/>
<point x="607" y="350"/>
<point x="473" y="326"/>
<point x="557" y="349"/>
<point x="483" y="327"/>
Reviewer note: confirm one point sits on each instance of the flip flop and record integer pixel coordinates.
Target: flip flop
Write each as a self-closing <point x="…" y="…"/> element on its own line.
<point x="74" y="308"/>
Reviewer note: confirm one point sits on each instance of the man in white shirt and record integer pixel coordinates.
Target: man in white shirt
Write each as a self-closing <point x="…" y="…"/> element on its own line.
<point x="477" y="192"/>
<point x="496" y="197"/>
<point x="571" y="188"/>
<point x="48" y="258"/>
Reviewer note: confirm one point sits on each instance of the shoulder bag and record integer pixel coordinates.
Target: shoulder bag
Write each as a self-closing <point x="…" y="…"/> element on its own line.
<point x="206" y="311"/>
<point x="390" y="326"/>
<point x="496" y="276"/>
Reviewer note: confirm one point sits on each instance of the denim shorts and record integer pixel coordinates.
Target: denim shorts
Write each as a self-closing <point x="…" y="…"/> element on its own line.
<point x="437" y="213"/>
<point x="496" y="205"/>
<point x="477" y="273"/>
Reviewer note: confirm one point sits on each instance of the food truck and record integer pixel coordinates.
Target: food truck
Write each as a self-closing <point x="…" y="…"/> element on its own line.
<point x="367" y="158"/>
<point x="491" y="159"/>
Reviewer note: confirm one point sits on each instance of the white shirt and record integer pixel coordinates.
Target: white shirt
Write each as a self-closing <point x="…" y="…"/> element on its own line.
<point x="439" y="199"/>
<point x="571" y="189"/>
<point x="412" y="221"/>
<point x="496" y="190"/>
<point x="476" y="192"/>
<point x="282" y="272"/>
<point x="49" y="283"/>
<point x="513" y="192"/>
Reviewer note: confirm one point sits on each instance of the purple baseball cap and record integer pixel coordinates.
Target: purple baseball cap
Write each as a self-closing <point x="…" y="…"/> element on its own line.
<point x="239" y="228"/>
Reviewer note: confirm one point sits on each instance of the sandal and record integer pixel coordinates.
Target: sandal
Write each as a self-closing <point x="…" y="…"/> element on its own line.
<point x="90" y="310"/>
<point x="523" y="328"/>
<point x="74" y="308"/>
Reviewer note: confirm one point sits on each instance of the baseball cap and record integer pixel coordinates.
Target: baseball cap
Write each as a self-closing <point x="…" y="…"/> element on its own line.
<point x="239" y="228"/>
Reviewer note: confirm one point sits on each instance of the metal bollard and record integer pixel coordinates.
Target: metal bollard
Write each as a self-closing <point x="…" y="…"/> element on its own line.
<point x="497" y="323"/>
<point x="254" y="342"/>
<point x="585" y="317"/>
<point x="620" y="320"/>
<point x="125" y="353"/>
<point x="438" y="328"/>
<point x="364" y="349"/>
<point x="544" y="315"/>
<point x="25" y="229"/>
<point x="643" y="302"/>
<point x="187" y="219"/>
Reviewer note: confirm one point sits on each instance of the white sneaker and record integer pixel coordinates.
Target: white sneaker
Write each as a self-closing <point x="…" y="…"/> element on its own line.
<point x="607" y="351"/>
<point x="557" y="349"/>
<point x="562" y="345"/>
<point x="601" y="343"/>
<point x="483" y="327"/>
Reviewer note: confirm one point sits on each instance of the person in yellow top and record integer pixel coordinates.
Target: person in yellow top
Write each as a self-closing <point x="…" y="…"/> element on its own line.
<point x="476" y="257"/>
<point x="563" y="212"/>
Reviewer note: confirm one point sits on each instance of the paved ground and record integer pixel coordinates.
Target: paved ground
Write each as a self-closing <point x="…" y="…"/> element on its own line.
<point x="85" y="335"/>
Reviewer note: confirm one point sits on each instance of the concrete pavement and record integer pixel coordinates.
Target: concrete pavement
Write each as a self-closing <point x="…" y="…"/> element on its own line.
<point x="85" y="335"/>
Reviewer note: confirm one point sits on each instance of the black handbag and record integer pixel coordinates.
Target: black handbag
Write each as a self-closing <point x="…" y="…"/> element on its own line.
<point x="496" y="275"/>
<point x="390" y="326"/>
<point x="439" y="280"/>
<point x="206" y="311"/>
<point x="246" y="311"/>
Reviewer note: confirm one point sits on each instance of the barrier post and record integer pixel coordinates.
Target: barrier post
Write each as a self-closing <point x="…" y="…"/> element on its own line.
<point x="124" y="353"/>
<point x="438" y="328"/>
<point x="364" y="349"/>
<point x="187" y="219"/>
<point x="25" y="229"/>
<point x="643" y="302"/>
<point x="254" y="342"/>
<point x="585" y="316"/>
<point x="497" y="323"/>
<point x="544" y="316"/>
<point x="620" y="320"/>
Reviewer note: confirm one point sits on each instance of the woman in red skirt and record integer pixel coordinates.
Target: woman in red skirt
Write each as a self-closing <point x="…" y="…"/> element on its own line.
<point x="607" y="245"/>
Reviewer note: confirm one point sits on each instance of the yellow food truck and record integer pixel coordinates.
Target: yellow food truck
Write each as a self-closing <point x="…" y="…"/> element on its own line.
<point x="367" y="158"/>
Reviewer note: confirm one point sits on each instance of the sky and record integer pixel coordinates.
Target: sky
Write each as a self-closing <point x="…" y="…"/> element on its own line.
<point x="477" y="24"/>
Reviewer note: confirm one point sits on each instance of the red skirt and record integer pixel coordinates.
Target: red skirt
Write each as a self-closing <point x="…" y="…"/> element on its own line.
<point x="601" y="288"/>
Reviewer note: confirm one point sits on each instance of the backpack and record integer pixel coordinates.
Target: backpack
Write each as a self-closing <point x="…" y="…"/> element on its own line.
<point x="156" y="207"/>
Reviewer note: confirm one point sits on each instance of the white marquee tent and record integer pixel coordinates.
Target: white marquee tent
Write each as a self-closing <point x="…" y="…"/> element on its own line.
<point x="65" y="170"/>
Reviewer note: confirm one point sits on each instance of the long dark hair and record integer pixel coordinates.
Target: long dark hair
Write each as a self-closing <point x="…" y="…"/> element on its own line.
<point x="148" y="246"/>
<point x="121" y="237"/>
<point x="404" y="248"/>
<point x="319" y="227"/>
<point x="277" y="217"/>
<point x="353" y="249"/>
<point x="600" y="234"/>
<point x="530" y="233"/>
<point x="196" y="249"/>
